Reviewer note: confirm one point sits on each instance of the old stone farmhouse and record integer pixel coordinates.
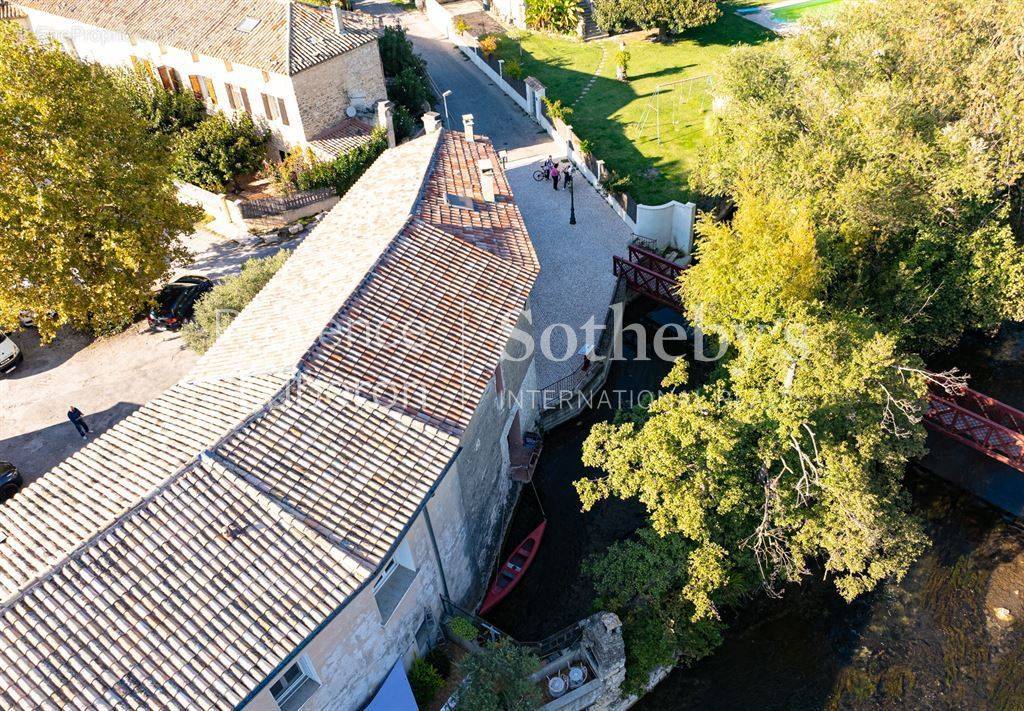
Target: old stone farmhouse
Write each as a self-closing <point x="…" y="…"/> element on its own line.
<point x="299" y="67"/>
<point x="278" y="528"/>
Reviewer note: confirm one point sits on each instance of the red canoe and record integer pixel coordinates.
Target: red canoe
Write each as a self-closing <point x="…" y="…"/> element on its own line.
<point x="510" y="573"/>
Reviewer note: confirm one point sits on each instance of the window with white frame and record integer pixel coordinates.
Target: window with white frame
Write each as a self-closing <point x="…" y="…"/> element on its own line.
<point x="393" y="581"/>
<point x="296" y="685"/>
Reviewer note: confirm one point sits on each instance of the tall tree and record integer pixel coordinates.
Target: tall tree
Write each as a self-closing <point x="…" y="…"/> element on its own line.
<point x="89" y="219"/>
<point x="876" y="170"/>
<point x="898" y="127"/>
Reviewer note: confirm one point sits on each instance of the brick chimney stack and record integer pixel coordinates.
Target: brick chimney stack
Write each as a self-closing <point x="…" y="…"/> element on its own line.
<point x="431" y="121"/>
<point x="339" y="19"/>
<point x="486" y="179"/>
<point x="386" y="119"/>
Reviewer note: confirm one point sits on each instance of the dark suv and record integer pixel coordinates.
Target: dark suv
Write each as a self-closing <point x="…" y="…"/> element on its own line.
<point x="10" y="480"/>
<point x="176" y="302"/>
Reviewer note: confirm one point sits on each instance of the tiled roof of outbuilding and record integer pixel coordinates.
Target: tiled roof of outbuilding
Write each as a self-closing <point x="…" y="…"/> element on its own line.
<point x="287" y="37"/>
<point x="210" y="563"/>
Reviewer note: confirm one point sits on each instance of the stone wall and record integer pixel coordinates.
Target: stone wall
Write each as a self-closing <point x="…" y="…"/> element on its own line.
<point x="324" y="91"/>
<point x="468" y="513"/>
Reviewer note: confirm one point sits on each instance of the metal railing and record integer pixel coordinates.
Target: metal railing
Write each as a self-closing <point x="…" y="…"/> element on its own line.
<point x="549" y="646"/>
<point x="269" y="206"/>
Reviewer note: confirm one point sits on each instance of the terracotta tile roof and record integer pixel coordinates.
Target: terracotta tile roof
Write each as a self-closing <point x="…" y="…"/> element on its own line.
<point x="357" y="469"/>
<point x="9" y="12"/>
<point x="341" y="138"/>
<point x="172" y="578"/>
<point x="188" y="604"/>
<point x="48" y="520"/>
<point x="310" y="287"/>
<point x="287" y="37"/>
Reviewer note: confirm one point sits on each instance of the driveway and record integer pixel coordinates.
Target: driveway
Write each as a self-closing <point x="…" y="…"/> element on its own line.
<point x="106" y="378"/>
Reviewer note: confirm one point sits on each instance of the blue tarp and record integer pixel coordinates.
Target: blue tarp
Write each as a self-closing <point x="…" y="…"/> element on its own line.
<point x="395" y="694"/>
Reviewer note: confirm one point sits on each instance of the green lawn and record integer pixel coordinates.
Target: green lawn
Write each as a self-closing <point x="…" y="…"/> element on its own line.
<point x="622" y="119"/>
<point x="810" y="8"/>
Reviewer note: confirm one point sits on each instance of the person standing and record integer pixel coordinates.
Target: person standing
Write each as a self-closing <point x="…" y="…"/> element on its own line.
<point x="78" y="420"/>
<point x="554" y="176"/>
<point x="567" y="174"/>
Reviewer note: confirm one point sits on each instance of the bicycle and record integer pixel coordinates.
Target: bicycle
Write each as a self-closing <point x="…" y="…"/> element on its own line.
<point x="544" y="173"/>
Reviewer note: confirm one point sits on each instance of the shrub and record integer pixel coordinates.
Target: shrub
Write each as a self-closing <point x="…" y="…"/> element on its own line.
<point x="488" y="44"/>
<point x="557" y="110"/>
<point x="613" y="16"/>
<point x="622" y="58"/>
<point x="668" y="16"/>
<point x="463" y="628"/>
<point x="162" y="111"/>
<point x="396" y="52"/>
<point x="343" y="172"/>
<point x="460" y="26"/>
<point x="498" y="677"/>
<point x="440" y="661"/>
<point x="553" y="15"/>
<point x="513" y="69"/>
<point x="411" y="90"/>
<point x="219" y="307"/>
<point x="585" y="146"/>
<point x="649" y="645"/>
<point x="217" y="150"/>
<point x="425" y="682"/>
<point x="408" y="83"/>
<point x="405" y="124"/>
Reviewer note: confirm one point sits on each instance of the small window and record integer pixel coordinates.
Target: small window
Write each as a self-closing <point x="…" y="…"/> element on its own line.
<point x="499" y="381"/>
<point x="283" y="111"/>
<point x="295" y="686"/>
<point x="211" y="93"/>
<point x="269" y="107"/>
<point x="393" y="580"/>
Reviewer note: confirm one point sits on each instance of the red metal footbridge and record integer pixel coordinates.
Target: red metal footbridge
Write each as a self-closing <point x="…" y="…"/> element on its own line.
<point x="967" y="416"/>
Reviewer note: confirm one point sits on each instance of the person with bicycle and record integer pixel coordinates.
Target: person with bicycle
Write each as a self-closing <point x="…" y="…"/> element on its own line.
<point x="545" y="170"/>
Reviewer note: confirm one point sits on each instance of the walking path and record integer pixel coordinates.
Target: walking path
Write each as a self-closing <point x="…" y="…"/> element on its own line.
<point x="576" y="281"/>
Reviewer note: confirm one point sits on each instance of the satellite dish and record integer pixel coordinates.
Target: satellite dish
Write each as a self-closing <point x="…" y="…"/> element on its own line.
<point x="350" y="111"/>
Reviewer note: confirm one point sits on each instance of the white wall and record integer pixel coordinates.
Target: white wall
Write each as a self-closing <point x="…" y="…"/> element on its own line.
<point x="670" y="225"/>
<point x="110" y="48"/>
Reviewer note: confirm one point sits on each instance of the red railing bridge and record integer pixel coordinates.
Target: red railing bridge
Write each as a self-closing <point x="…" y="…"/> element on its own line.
<point x="650" y="274"/>
<point x="967" y="416"/>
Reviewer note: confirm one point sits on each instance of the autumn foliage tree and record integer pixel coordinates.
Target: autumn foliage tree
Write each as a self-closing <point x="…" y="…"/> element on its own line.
<point x="89" y="219"/>
<point x="875" y="167"/>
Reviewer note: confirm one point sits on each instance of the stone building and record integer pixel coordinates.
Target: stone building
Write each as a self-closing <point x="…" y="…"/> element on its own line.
<point x="278" y="528"/>
<point x="312" y="73"/>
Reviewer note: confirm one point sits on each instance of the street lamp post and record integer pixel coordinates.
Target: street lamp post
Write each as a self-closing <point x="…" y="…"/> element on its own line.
<point x="572" y="186"/>
<point x="572" y="201"/>
<point x="444" y="97"/>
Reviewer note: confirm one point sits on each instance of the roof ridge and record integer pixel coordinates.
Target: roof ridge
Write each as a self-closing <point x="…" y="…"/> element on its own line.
<point x="288" y="29"/>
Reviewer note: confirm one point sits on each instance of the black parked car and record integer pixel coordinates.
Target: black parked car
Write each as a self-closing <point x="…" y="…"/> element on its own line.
<point x="176" y="301"/>
<point x="10" y="480"/>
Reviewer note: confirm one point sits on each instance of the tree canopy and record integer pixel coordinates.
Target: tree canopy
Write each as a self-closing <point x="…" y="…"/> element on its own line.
<point x="897" y="128"/>
<point x="89" y="218"/>
<point x="875" y="168"/>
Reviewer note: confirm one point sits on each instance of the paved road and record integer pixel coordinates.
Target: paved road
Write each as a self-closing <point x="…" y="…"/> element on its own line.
<point x="576" y="282"/>
<point x="494" y="114"/>
<point x="106" y="378"/>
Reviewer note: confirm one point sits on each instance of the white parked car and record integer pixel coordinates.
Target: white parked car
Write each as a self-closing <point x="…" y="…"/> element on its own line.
<point x="10" y="354"/>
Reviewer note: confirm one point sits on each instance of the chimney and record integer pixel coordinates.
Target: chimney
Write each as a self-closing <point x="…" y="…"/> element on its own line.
<point x="486" y="179"/>
<point x="431" y="121"/>
<point x="339" y="19"/>
<point x="386" y="119"/>
<point x="467" y="127"/>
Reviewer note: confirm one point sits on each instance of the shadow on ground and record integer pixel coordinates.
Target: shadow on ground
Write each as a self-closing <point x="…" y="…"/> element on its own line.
<point x="35" y="453"/>
<point x="40" y="358"/>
